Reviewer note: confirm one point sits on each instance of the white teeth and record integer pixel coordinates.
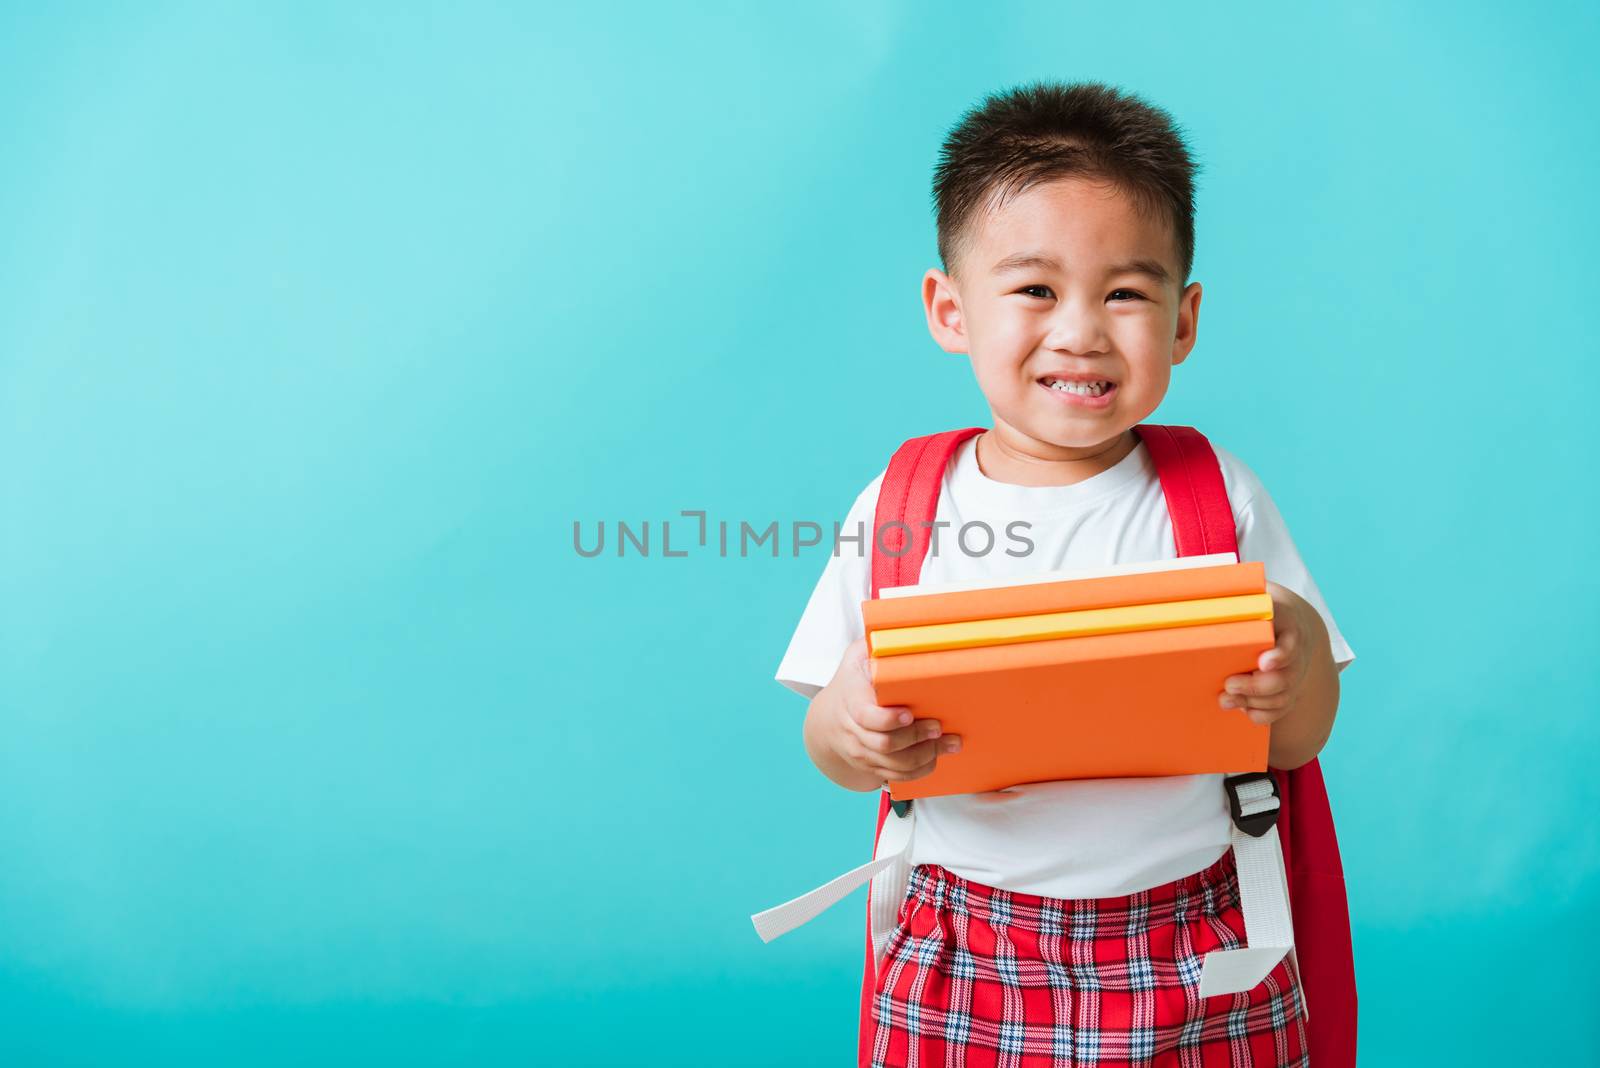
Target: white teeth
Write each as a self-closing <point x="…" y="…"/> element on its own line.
<point x="1088" y="389"/>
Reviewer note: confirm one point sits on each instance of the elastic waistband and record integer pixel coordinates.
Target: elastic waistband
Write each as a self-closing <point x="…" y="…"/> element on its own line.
<point x="1208" y="891"/>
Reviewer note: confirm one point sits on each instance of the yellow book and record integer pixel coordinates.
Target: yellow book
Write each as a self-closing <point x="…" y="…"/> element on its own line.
<point x="1009" y="630"/>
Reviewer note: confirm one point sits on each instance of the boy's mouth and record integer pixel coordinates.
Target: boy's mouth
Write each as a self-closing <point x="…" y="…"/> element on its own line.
<point x="1081" y="390"/>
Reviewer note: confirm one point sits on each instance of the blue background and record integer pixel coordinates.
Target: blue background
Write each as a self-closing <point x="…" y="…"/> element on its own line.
<point x="320" y="325"/>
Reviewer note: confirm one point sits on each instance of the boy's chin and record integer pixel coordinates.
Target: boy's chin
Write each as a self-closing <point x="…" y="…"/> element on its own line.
<point x="1082" y="442"/>
<point x="1072" y="433"/>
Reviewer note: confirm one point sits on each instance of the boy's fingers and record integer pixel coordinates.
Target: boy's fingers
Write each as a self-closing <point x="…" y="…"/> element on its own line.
<point x="920" y="731"/>
<point x="918" y="760"/>
<point x="901" y="738"/>
<point x="1281" y="652"/>
<point x="873" y="727"/>
<point x="896" y="775"/>
<point x="1257" y="684"/>
<point x="895" y="766"/>
<point x="1272" y="684"/>
<point x="878" y="718"/>
<point x="923" y="755"/>
<point x="911" y="759"/>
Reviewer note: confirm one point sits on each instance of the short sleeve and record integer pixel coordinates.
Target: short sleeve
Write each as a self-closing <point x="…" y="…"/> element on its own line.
<point x="832" y="616"/>
<point x="1263" y="535"/>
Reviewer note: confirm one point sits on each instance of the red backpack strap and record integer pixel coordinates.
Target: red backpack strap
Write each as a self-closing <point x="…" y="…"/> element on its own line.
<point x="908" y="499"/>
<point x="1321" y="912"/>
<point x="1191" y="480"/>
<point x="1202" y="522"/>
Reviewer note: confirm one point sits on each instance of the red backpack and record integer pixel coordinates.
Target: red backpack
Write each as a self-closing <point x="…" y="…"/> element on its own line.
<point x="1202" y="522"/>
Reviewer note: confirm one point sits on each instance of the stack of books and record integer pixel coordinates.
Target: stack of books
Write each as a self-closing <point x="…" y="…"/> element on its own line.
<point x="1099" y="674"/>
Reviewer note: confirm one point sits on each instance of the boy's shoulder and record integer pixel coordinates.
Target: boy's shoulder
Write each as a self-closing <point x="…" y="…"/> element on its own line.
<point x="856" y="521"/>
<point x="867" y="500"/>
<point x="1234" y="469"/>
<point x="1238" y="478"/>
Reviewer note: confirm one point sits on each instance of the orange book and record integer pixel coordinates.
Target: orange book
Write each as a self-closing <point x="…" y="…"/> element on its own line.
<point x="1066" y="595"/>
<point x="1135" y="703"/>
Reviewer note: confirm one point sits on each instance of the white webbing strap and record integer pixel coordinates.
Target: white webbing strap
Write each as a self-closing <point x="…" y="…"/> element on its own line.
<point x="890" y="872"/>
<point x="1263" y="894"/>
<point x="1263" y="897"/>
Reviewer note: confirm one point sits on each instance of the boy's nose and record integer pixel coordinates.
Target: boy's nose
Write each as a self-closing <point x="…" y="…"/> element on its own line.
<point x="1077" y="325"/>
<point x="1077" y="334"/>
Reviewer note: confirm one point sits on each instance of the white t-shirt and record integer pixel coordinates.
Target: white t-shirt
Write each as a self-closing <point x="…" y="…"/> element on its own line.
<point x="1083" y="838"/>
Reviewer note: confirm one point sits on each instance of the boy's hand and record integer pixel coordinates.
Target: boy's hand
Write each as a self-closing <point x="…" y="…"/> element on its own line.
<point x="875" y="743"/>
<point x="1272" y="690"/>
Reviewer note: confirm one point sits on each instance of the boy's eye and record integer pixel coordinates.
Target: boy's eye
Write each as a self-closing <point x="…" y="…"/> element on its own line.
<point x="1045" y="290"/>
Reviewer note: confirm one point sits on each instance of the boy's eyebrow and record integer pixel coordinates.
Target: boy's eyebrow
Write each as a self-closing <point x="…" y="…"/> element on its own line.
<point x="1041" y="261"/>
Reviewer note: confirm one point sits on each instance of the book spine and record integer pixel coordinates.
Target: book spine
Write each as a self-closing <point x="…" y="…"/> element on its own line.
<point x="1115" y="591"/>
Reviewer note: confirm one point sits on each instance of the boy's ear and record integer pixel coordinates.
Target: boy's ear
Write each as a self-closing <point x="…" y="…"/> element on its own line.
<point x="942" y="304"/>
<point x="1188" y="323"/>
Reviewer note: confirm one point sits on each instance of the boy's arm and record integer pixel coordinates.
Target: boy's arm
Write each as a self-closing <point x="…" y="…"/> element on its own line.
<point x="1295" y="687"/>
<point x="861" y="745"/>
<point x="823" y="755"/>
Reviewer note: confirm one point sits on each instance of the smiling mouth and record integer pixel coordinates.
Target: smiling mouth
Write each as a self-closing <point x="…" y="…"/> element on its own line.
<point x="1080" y="388"/>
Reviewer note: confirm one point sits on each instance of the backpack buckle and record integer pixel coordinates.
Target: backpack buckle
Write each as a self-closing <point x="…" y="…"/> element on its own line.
<point x="1260" y="797"/>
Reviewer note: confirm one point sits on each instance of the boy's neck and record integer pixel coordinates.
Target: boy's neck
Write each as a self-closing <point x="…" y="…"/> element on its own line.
<point x="1035" y="463"/>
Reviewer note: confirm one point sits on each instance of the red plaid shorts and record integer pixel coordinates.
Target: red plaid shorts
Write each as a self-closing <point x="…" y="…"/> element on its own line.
<point x="976" y="976"/>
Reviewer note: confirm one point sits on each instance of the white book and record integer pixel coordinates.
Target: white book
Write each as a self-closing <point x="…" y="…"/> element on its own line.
<point x="1140" y="567"/>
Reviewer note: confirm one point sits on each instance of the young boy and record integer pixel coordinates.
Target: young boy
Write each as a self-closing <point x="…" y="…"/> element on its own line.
<point x="1064" y="922"/>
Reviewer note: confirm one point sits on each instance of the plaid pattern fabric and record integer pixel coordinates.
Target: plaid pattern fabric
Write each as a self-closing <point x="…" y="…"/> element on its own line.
<point x="979" y="977"/>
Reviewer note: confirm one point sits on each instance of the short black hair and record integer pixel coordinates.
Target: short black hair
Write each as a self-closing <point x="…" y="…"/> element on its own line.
<point x="1042" y="131"/>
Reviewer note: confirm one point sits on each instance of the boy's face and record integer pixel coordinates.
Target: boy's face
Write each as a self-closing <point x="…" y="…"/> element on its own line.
<point x="1082" y="310"/>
